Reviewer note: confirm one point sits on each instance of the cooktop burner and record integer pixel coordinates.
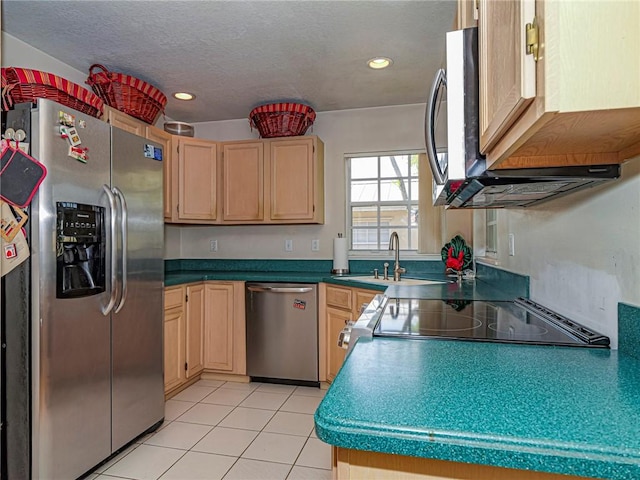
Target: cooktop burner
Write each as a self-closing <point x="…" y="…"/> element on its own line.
<point x="522" y="321"/>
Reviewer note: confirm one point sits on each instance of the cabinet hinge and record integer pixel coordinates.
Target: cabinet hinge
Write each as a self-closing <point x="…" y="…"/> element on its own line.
<point x="532" y="38"/>
<point x="178" y="208"/>
<point x="186" y="367"/>
<point x="178" y="148"/>
<point x="186" y="298"/>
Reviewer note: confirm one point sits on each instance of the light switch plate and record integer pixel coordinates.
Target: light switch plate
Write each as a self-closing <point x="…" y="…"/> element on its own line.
<point x="213" y="246"/>
<point x="288" y="245"/>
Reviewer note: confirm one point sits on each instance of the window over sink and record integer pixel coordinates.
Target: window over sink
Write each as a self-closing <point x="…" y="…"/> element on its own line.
<point x="383" y="196"/>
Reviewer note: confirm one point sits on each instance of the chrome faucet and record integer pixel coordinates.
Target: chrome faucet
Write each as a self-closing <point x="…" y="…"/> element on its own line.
<point x="397" y="269"/>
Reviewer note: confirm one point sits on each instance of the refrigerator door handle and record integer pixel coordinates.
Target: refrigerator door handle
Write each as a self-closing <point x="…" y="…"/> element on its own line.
<point x="124" y="214"/>
<point x="114" y="249"/>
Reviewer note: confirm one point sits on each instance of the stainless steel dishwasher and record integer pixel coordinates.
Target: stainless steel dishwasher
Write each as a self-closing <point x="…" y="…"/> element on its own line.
<point x="282" y="332"/>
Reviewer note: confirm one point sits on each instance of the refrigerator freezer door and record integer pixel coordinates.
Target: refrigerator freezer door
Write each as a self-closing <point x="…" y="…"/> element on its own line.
<point x="71" y="425"/>
<point x="137" y="383"/>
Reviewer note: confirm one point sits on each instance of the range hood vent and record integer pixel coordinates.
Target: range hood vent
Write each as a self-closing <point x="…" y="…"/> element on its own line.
<point x="531" y="186"/>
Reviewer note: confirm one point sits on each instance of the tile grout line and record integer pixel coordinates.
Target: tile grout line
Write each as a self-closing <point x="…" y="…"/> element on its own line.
<point x="289" y="395"/>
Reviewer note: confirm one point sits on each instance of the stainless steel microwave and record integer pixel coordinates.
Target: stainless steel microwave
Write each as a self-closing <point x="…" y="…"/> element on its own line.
<point x="452" y="134"/>
<point x="452" y="117"/>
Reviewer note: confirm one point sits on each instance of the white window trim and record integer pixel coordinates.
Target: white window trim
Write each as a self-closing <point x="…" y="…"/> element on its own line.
<point x="376" y="254"/>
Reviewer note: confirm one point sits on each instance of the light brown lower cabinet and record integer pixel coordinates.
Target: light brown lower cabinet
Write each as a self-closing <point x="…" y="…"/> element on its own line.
<point x="174" y="337"/>
<point x="342" y="304"/>
<point x="195" y="327"/>
<point x="225" y="347"/>
<point x="204" y="331"/>
<point x="336" y="321"/>
<point x="358" y="464"/>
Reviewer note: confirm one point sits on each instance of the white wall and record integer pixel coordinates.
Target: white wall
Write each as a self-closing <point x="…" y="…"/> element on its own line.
<point x="16" y="53"/>
<point x="347" y="131"/>
<point x="581" y="252"/>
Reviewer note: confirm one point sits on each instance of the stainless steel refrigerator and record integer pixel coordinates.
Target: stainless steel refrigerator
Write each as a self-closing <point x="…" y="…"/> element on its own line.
<point x="83" y="370"/>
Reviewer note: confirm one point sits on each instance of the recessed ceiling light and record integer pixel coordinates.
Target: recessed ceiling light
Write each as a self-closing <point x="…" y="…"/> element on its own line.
<point x="379" y="62"/>
<point x="184" y="96"/>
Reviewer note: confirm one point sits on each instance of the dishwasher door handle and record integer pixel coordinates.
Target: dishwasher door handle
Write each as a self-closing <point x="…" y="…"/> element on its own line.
<point x="280" y="289"/>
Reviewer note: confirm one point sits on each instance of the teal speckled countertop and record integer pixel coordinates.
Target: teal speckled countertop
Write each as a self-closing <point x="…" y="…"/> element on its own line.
<point x="490" y="284"/>
<point x="566" y="410"/>
<point x="466" y="290"/>
<point x="190" y="276"/>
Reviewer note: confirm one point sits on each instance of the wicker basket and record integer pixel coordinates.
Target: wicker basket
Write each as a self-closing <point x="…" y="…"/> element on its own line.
<point x="282" y="119"/>
<point x="127" y="94"/>
<point x="25" y="85"/>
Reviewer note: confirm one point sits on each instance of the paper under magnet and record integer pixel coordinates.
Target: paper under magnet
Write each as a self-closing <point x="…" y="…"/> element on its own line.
<point x="10" y="250"/>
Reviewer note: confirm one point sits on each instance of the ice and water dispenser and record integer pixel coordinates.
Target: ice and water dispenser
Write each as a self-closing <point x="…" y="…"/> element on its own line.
<point x="80" y="250"/>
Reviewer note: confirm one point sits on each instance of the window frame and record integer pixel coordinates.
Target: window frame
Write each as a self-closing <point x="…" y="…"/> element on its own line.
<point x="409" y="203"/>
<point x="491" y="239"/>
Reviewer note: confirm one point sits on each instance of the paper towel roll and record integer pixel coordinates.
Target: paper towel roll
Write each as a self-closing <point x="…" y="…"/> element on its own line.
<point x="340" y="260"/>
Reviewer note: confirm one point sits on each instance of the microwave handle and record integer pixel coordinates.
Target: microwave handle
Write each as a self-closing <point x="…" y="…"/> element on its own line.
<point x="430" y="127"/>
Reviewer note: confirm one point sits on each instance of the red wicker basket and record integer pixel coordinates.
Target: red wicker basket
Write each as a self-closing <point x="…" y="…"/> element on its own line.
<point x="282" y="119"/>
<point x="127" y="94"/>
<point x="25" y="85"/>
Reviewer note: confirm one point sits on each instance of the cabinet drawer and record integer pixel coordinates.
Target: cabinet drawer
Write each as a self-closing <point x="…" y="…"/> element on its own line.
<point x="173" y="297"/>
<point x="339" y="297"/>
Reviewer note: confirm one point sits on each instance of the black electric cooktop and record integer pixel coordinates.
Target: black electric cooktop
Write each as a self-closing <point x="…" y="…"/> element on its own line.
<point x="521" y="321"/>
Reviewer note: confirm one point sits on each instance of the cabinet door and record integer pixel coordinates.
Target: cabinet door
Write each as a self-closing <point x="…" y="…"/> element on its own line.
<point x="219" y="327"/>
<point x="507" y="73"/>
<point x="197" y="170"/>
<point x="243" y="181"/>
<point x="125" y="122"/>
<point x="466" y="15"/>
<point x="164" y="139"/>
<point x="292" y="180"/>
<point x="361" y="300"/>
<point x="174" y="355"/>
<point x="341" y="297"/>
<point x="195" y="326"/>
<point x="336" y="321"/>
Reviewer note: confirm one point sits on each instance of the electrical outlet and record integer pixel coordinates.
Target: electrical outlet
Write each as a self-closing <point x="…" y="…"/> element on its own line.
<point x="512" y="244"/>
<point x="288" y="245"/>
<point x="213" y="246"/>
<point x="315" y="245"/>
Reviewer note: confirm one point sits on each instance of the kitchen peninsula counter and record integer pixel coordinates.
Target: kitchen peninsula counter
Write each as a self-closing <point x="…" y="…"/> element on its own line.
<point x="566" y="410"/>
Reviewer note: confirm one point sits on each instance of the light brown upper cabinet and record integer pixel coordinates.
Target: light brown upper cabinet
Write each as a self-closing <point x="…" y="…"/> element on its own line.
<point x="273" y="181"/>
<point x="164" y="139"/>
<point x="138" y="127"/>
<point x="243" y="182"/>
<point x="585" y="106"/>
<point x="466" y="14"/>
<point x="123" y="121"/>
<point x="197" y="177"/>
<point x="297" y="180"/>
<point x="507" y="72"/>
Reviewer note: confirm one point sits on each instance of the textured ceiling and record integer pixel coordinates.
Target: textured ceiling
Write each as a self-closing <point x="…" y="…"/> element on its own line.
<point x="239" y="54"/>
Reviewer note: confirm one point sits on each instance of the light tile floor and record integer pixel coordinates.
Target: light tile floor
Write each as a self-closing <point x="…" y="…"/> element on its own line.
<point x="233" y="431"/>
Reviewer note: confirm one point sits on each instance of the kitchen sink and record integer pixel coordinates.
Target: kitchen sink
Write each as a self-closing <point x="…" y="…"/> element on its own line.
<point x="403" y="281"/>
